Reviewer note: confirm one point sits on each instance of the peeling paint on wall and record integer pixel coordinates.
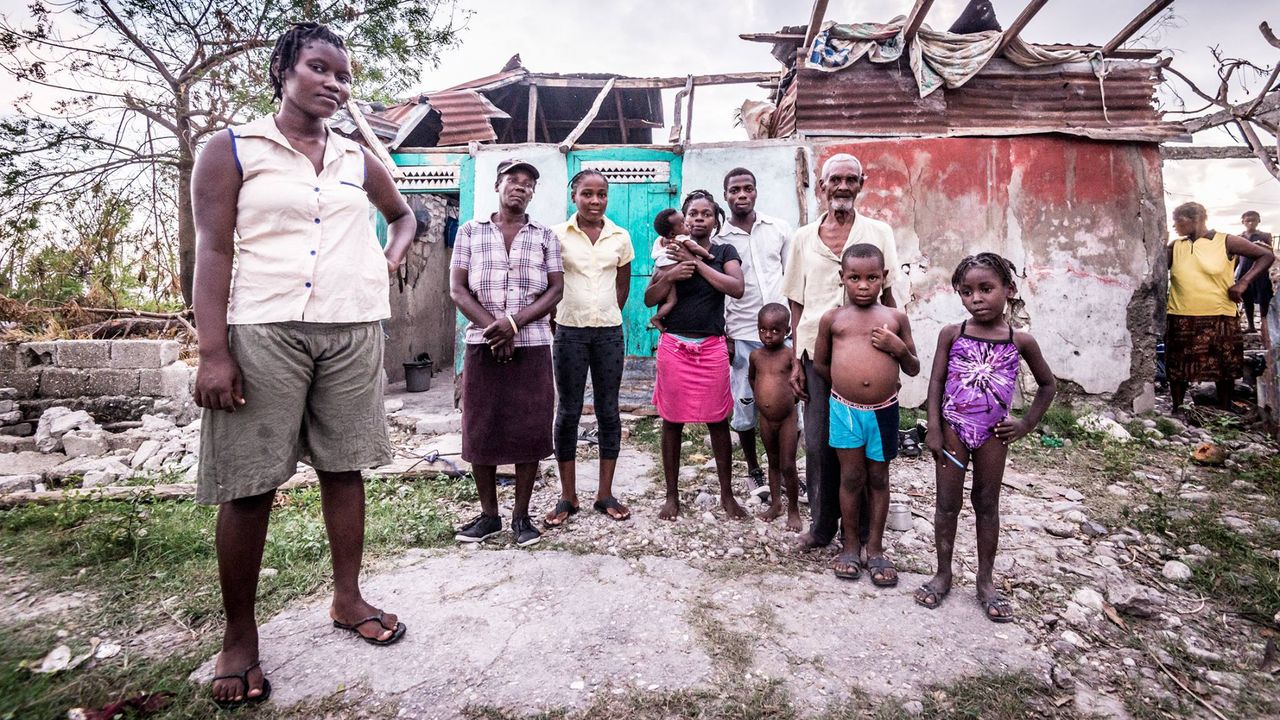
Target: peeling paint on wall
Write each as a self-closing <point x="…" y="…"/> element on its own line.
<point x="1082" y="220"/>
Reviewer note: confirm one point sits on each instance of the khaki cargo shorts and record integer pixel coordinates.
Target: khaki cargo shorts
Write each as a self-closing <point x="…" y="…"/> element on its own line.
<point x="313" y="392"/>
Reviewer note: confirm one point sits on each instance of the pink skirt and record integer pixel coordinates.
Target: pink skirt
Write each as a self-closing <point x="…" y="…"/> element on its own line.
<point x="692" y="383"/>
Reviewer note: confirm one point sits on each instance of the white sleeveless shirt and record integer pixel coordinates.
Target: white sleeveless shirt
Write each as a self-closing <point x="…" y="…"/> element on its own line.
<point x="305" y="245"/>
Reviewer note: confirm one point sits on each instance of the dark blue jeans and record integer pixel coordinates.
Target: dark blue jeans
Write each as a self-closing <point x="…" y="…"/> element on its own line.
<point x="576" y="351"/>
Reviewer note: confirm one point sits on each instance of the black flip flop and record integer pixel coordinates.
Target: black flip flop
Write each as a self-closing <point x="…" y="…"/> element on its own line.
<point x="882" y="563"/>
<point x="563" y="506"/>
<point x="243" y="677"/>
<point x="396" y="634"/>
<point x="611" y="503"/>
<point x="938" y="597"/>
<point x="1000" y="603"/>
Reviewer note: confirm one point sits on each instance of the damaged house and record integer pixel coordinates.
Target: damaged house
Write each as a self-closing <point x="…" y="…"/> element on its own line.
<point x="971" y="140"/>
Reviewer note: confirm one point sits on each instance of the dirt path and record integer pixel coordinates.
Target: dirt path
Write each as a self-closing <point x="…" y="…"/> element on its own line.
<point x="541" y="631"/>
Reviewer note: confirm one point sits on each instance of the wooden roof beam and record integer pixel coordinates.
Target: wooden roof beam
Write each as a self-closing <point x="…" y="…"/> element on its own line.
<point x="816" y="15"/>
<point x="1135" y="25"/>
<point x="1021" y="22"/>
<point x="772" y="37"/>
<point x="915" y="20"/>
<point x="655" y="83"/>
<point x="587" y="119"/>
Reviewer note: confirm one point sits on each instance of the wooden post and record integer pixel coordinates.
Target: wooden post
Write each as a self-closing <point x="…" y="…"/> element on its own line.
<point x="622" y="119"/>
<point x="542" y="120"/>
<point x="677" y="114"/>
<point x="688" y="110"/>
<point x="587" y="119"/>
<point x="802" y="184"/>
<point x="1021" y="22"/>
<point x="375" y="145"/>
<point x="915" y="20"/>
<point x="1135" y="25"/>
<point x="531" y="133"/>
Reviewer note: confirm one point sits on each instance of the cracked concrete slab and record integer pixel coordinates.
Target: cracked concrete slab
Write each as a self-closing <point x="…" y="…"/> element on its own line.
<point x="544" y="630"/>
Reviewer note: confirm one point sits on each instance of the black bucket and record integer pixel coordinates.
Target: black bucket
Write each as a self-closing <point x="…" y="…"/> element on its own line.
<point x="417" y="374"/>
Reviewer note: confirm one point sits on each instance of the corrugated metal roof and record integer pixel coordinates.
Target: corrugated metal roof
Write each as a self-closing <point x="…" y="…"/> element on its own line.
<point x="465" y="115"/>
<point x="384" y="127"/>
<point x="876" y="100"/>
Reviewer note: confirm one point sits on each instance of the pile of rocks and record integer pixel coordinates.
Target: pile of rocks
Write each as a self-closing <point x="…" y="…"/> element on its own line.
<point x="11" y="420"/>
<point x="70" y="449"/>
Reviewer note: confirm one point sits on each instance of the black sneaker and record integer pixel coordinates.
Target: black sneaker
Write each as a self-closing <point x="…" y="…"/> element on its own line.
<point x="526" y="535"/>
<point x="756" y="485"/>
<point x="481" y="528"/>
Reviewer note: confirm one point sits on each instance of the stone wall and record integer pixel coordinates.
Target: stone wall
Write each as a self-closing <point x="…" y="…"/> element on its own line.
<point x="113" y="380"/>
<point x="422" y="313"/>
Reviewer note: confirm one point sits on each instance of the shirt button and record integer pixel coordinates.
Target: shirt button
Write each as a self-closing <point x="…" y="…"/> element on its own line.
<point x="317" y="189"/>
<point x="308" y="284"/>
<point x="317" y="221"/>
<point x="313" y="252"/>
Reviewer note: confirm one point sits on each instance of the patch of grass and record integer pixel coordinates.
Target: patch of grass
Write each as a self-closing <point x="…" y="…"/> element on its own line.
<point x="1119" y="459"/>
<point x="1239" y="573"/>
<point x="1166" y="426"/>
<point x="27" y="695"/>
<point x="994" y="697"/>
<point x="730" y="650"/>
<point x="907" y="417"/>
<point x="155" y="564"/>
<point x="1263" y="471"/>
<point x="1060" y="420"/>
<point x="1222" y="427"/>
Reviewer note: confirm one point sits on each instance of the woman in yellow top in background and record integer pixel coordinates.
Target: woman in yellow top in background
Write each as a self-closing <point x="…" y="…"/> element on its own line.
<point x="1203" y="340"/>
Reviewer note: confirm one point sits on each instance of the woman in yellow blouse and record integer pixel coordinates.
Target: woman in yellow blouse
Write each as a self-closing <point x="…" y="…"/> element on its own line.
<point x="597" y="257"/>
<point x="1203" y="342"/>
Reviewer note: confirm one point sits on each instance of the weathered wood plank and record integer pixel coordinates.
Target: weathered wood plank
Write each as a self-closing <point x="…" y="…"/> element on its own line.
<point x="588" y="118"/>
<point x="1135" y="25"/>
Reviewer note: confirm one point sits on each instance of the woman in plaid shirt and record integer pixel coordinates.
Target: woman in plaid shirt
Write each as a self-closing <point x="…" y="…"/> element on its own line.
<point x="506" y="277"/>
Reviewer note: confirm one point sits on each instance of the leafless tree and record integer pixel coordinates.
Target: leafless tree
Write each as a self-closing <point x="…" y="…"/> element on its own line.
<point x="1257" y="119"/>
<point x="143" y="82"/>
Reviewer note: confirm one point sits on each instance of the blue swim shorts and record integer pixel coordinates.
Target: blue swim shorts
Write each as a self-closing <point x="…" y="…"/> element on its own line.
<point x="874" y="427"/>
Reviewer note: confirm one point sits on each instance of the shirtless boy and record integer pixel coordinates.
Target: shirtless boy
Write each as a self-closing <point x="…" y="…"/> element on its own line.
<point x="861" y="348"/>
<point x="769" y="372"/>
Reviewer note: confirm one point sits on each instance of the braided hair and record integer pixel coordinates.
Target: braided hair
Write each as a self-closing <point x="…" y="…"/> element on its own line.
<point x="584" y="174"/>
<point x="1003" y="268"/>
<point x="285" y="54"/>
<point x="704" y="195"/>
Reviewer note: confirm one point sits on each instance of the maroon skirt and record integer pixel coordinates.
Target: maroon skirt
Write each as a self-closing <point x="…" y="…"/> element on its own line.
<point x="507" y="408"/>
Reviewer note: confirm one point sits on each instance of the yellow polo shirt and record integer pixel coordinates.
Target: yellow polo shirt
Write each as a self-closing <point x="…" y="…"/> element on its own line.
<point x="813" y="272"/>
<point x="1201" y="274"/>
<point x="591" y="274"/>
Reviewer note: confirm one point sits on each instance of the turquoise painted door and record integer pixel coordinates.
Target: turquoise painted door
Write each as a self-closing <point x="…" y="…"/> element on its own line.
<point x="641" y="182"/>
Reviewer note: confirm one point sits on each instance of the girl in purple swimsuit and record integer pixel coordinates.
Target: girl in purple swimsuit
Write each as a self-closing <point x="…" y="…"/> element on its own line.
<point x="975" y="371"/>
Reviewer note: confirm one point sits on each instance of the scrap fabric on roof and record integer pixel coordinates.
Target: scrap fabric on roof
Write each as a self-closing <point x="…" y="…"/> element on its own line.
<point x="937" y="58"/>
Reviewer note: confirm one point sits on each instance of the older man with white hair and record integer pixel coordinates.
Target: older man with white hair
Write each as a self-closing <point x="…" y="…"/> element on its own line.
<point x="812" y="286"/>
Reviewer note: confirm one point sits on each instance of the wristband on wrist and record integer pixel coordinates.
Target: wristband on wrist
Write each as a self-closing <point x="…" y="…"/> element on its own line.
<point x="514" y="328"/>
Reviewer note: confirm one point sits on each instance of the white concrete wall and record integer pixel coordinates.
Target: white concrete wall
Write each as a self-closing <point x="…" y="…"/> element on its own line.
<point x="549" y="205"/>
<point x="774" y="166"/>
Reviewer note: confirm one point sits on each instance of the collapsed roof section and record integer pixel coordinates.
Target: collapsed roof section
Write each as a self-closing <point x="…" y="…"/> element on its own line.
<point x="903" y="78"/>
<point x="516" y="105"/>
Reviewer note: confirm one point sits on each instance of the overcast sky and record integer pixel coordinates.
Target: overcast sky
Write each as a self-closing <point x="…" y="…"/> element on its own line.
<point x="678" y="37"/>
